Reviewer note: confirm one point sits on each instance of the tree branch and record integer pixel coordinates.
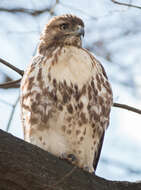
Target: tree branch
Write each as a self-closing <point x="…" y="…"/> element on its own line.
<point x="11" y="84"/>
<point x="26" y="11"/>
<point x="31" y="12"/>
<point x="124" y="106"/>
<point x="126" y="4"/>
<point x="23" y="165"/>
<point x="12" y="67"/>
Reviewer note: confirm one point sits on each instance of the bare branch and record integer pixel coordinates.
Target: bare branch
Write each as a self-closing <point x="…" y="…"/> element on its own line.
<point x="126" y="4"/>
<point x="124" y="106"/>
<point x="53" y="7"/>
<point x="12" y="67"/>
<point x="26" y="11"/>
<point x="11" y="84"/>
<point x="31" y="12"/>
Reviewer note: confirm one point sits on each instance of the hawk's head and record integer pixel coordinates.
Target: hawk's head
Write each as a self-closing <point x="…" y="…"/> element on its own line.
<point x="62" y="30"/>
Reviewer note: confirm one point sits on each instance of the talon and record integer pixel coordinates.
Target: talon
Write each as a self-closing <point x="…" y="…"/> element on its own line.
<point x="68" y="157"/>
<point x="63" y="156"/>
<point x="86" y="168"/>
<point x="72" y="158"/>
<point x="90" y="170"/>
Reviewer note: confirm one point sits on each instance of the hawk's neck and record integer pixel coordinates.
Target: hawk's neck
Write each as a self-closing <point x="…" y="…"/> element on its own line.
<point x="47" y="48"/>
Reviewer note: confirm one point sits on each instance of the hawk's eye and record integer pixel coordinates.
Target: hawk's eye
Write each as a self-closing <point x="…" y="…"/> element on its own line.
<point x="64" y="26"/>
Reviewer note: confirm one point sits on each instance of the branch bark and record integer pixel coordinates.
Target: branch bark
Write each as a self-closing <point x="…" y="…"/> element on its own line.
<point x="24" y="166"/>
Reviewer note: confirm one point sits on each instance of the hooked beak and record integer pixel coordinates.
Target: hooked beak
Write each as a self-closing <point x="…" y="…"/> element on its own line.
<point x="80" y="31"/>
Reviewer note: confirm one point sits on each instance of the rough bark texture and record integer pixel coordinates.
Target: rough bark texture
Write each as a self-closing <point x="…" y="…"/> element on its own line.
<point x="26" y="167"/>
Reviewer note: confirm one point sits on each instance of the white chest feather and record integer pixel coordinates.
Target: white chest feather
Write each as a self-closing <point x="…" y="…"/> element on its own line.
<point x="74" y="65"/>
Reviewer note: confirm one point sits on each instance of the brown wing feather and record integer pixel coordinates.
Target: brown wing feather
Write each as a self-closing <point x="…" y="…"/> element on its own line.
<point x="97" y="154"/>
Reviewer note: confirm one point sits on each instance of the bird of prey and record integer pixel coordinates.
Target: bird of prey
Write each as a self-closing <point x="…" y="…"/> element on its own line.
<point x="65" y="95"/>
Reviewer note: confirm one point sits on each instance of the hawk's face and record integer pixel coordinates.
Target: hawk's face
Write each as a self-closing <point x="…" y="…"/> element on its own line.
<point x="63" y="30"/>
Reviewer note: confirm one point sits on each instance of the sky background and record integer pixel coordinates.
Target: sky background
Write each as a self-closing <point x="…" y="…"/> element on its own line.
<point x="113" y="34"/>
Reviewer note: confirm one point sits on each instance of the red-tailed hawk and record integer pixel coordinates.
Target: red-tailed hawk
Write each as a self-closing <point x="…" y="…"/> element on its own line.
<point x="65" y="95"/>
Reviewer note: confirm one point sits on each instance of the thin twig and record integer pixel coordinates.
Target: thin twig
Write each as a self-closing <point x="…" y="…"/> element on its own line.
<point x="21" y="72"/>
<point x="26" y="11"/>
<point x="53" y="7"/>
<point x="30" y="11"/>
<point x="12" y="114"/>
<point x="124" y="106"/>
<point x="126" y="4"/>
<point x="11" y="84"/>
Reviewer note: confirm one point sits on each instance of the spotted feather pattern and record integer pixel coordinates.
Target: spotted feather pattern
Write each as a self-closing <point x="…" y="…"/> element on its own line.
<point x="66" y="101"/>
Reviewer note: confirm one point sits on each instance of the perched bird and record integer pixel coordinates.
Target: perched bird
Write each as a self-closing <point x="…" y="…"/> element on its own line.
<point x="65" y="95"/>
